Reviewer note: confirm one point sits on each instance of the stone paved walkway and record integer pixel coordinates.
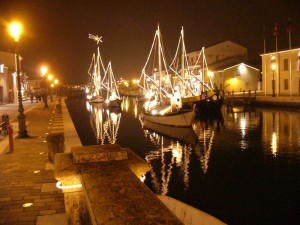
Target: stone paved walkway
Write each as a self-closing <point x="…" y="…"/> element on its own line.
<point x="27" y="176"/>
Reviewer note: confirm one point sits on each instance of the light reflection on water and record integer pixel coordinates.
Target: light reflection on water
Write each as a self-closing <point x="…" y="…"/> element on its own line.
<point x="232" y="166"/>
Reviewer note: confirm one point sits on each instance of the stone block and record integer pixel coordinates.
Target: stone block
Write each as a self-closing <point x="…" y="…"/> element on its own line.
<point x="98" y="154"/>
<point x="55" y="141"/>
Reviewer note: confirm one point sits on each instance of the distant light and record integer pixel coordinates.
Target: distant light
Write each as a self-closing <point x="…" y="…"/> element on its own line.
<point x="274" y="144"/>
<point x="50" y="77"/>
<point x="153" y="112"/>
<point x="273" y="58"/>
<point x="28" y="204"/>
<point x="60" y="186"/>
<point x="15" y="29"/>
<point x="44" y="70"/>
<point x="242" y="68"/>
<point x="210" y="73"/>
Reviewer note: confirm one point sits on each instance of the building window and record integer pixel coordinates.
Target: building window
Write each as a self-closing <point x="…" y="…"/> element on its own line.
<point x="286" y="84"/>
<point x="285" y="64"/>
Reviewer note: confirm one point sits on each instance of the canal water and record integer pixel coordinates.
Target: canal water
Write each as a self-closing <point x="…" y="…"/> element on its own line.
<point x="242" y="166"/>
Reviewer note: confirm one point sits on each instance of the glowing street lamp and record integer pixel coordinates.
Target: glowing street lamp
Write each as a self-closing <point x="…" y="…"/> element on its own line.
<point x="273" y="80"/>
<point x="44" y="71"/>
<point x="15" y="30"/>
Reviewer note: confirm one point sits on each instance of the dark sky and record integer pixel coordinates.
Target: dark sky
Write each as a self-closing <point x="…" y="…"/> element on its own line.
<point x="56" y="31"/>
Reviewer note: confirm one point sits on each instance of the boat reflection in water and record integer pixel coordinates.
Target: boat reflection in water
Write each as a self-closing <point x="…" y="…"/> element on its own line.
<point x="205" y="130"/>
<point x="105" y="122"/>
<point x="174" y="147"/>
<point x="241" y="164"/>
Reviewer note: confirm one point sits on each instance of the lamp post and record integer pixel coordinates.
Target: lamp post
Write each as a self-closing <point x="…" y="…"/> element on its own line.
<point x="50" y="78"/>
<point x="44" y="71"/>
<point x="15" y="31"/>
<point x="273" y="79"/>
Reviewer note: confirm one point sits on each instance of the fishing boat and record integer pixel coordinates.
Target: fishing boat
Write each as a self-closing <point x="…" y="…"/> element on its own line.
<point x="183" y="134"/>
<point x="162" y="102"/>
<point x="195" y="82"/>
<point x="109" y="84"/>
<point x="96" y="71"/>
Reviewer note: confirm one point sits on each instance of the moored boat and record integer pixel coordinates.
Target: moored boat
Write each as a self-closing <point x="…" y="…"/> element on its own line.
<point x="163" y="101"/>
<point x="96" y="71"/>
<point x="113" y="98"/>
<point x="194" y="82"/>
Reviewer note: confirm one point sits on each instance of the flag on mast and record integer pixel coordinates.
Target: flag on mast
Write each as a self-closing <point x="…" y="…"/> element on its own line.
<point x="275" y="35"/>
<point x="264" y="36"/>
<point x="289" y="29"/>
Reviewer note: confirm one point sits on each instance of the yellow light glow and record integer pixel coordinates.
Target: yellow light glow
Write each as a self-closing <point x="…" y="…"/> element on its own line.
<point x="15" y="29"/>
<point x="273" y="66"/>
<point x="50" y="77"/>
<point x="273" y="58"/>
<point x="274" y="144"/>
<point x="56" y="81"/>
<point x="60" y="186"/>
<point x="210" y="73"/>
<point x="44" y="70"/>
<point x="52" y="85"/>
<point x="28" y="204"/>
<point x="242" y="68"/>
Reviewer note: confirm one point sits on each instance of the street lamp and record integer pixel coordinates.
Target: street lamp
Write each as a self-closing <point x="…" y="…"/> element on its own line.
<point x="273" y="80"/>
<point x="15" y="29"/>
<point x="44" y="71"/>
<point x="50" y="78"/>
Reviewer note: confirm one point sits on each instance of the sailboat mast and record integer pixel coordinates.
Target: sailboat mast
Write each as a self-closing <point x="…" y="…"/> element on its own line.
<point x="182" y="55"/>
<point x="203" y="69"/>
<point x="159" y="61"/>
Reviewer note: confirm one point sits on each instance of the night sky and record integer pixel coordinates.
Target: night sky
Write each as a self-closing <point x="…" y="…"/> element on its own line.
<point x="56" y="31"/>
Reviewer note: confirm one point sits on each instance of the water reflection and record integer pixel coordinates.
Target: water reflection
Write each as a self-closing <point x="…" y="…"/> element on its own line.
<point x="105" y="123"/>
<point x="169" y="160"/>
<point x="241" y="162"/>
<point x="281" y="132"/>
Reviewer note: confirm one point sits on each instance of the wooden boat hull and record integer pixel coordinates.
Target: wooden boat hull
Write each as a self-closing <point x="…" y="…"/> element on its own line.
<point x="208" y="101"/>
<point x="114" y="103"/>
<point x="183" y="118"/>
<point x="97" y="99"/>
<point x="184" y="134"/>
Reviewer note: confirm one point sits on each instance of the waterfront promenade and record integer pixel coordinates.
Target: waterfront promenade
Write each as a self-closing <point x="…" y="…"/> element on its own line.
<point x="27" y="175"/>
<point x="28" y="195"/>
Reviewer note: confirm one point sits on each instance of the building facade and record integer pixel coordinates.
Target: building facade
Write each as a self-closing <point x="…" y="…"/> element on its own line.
<point x="221" y="53"/>
<point x="8" y="79"/>
<point x="228" y="71"/>
<point x="240" y="77"/>
<point x="281" y="73"/>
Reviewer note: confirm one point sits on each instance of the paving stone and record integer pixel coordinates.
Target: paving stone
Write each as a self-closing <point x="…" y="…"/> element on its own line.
<point x="59" y="219"/>
<point x="49" y="187"/>
<point x="20" y="183"/>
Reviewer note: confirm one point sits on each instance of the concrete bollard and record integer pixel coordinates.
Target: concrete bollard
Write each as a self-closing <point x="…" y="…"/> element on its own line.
<point x="56" y="144"/>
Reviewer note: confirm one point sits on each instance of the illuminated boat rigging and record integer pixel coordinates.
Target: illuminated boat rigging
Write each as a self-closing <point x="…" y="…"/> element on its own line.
<point x="194" y="82"/>
<point x="163" y="102"/>
<point x="96" y="71"/>
<point x="109" y="84"/>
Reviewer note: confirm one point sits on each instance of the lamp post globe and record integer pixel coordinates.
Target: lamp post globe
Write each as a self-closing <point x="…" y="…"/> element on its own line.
<point x="15" y="30"/>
